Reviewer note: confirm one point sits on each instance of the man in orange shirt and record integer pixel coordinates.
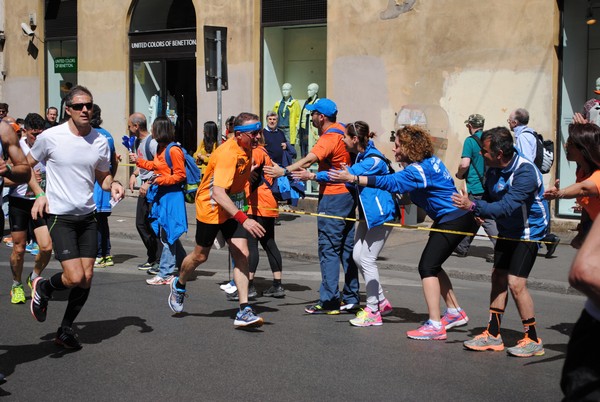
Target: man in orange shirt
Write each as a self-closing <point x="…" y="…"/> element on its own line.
<point x="220" y="206"/>
<point x="336" y="236"/>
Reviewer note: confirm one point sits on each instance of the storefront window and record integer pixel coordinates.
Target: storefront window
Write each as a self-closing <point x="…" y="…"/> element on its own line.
<point x="61" y="71"/>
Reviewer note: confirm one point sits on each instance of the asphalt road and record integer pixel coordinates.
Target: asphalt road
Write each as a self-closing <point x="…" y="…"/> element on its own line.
<point x="136" y="349"/>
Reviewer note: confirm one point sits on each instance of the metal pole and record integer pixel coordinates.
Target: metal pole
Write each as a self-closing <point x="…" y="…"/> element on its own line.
<point x="219" y="93"/>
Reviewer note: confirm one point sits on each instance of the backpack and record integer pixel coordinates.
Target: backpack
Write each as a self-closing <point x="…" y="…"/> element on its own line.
<point x="544" y="152"/>
<point x="192" y="173"/>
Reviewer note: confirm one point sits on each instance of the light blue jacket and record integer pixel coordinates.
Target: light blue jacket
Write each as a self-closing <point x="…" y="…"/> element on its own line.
<point x="168" y="211"/>
<point x="376" y="205"/>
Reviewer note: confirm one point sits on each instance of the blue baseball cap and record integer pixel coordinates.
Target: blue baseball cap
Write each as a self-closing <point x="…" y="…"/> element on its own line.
<point x="324" y="106"/>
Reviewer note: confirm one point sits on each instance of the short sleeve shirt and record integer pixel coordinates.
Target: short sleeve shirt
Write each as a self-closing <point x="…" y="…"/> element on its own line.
<point x="332" y="154"/>
<point x="591" y="204"/>
<point x="475" y="174"/>
<point x="261" y="202"/>
<point x="71" y="162"/>
<point x="228" y="167"/>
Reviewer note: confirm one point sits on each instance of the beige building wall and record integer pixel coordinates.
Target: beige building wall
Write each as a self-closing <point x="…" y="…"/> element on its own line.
<point x="450" y="58"/>
<point x="463" y="56"/>
<point x="242" y="19"/>
<point x="23" y="75"/>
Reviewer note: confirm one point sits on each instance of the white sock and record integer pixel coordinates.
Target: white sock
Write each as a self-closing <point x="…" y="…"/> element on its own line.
<point x="453" y="310"/>
<point x="16" y="283"/>
<point x="33" y="275"/>
<point x="436" y="324"/>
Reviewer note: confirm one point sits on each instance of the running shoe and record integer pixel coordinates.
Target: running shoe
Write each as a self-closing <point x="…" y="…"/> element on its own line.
<point x="428" y="332"/>
<point x="385" y="307"/>
<point x="65" y="337"/>
<point x="246" y="318"/>
<point x="232" y="296"/>
<point x="17" y="294"/>
<point x="32" y="248"/>
<point x="232" y="289"/>
<point x="99" y="263"/>
<point x="108" y="261"/>
<point x="39" y="300"/>
<point x="527" y="348"/>
<point x="144" y="267"/>
<point x="551" y="247"/>
<point x="274" y="291"/>
<point x="252" y="293"/>
<point x="154" y="270"/>
<point x="367" y="318"/>
<point x="176" y="296"/>
<point x="454" y="320"/>
<point x="485" y="341"/>
<point x="319" y="308"/>
<point x="8" y="240"/>
<point x="158" y="280"/>
<point x="348" y="307"/>
<point x="29" y="281"/>
<point x="227" y="285"/>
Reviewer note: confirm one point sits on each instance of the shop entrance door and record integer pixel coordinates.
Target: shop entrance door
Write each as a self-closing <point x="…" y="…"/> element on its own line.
<point x="168" y="88"/>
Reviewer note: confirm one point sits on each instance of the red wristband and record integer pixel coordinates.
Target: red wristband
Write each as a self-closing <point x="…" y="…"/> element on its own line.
<point x="240" y="217"/>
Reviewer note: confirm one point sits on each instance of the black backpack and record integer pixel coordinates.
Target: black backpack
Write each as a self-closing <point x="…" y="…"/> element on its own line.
<point x="544" y="152"/>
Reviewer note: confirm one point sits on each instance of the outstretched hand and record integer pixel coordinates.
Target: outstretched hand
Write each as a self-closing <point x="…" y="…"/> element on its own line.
<point x="553" y="193"/>
<point x="462" y="201"/>
<point x="340" y="176"/>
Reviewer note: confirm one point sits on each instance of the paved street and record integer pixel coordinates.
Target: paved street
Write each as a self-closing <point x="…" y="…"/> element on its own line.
<point x="136" y="349"/>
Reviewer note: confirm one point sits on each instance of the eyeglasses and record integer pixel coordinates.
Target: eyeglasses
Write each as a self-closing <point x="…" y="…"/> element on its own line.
<point x="80" y="106"/>
<point x="254" y="133"/>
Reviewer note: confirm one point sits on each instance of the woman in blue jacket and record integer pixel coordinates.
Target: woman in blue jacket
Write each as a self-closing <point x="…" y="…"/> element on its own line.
<point x="430" y="186"/>
<point x="375" y="208"/>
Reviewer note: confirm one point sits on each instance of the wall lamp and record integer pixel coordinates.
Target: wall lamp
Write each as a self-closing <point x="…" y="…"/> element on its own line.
<point x="589" y="16"/>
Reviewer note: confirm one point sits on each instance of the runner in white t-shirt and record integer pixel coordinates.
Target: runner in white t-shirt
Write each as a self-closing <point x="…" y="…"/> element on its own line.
<point x="21" y="199"/>
<point x="75" y="155"/>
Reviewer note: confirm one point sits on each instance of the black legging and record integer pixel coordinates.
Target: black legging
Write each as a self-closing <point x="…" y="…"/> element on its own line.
<point x="268" y="244"/>
<point x="441" y="245"/>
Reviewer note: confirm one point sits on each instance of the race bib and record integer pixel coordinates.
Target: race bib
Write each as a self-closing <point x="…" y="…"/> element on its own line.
<point x="239" y="199"/>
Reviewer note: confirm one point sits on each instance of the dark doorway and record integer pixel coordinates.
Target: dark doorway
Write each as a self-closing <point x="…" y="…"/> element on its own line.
<point x="181" y="84"/>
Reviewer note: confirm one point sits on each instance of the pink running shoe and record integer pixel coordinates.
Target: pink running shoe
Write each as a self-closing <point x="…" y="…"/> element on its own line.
<point x="366" y="318"/>
<point x="454" y="320"/>
<point x="385" y="307"/>
<point x="428" y="332"/>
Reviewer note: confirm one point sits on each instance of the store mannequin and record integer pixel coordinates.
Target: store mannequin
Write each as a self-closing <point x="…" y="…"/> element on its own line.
<point x="288" y="111"/>
<point x="155" y="108"/>
<point x="307" y="133"/>
<point x="591" y="108"/>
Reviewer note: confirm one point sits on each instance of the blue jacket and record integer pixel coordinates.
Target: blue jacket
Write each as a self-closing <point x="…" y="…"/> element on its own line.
<point x="101" y="197"/>
<point x="514" y="199"/>
<point x="376" y="205"/>
<point x="430" y="186"/>
<point x="168" y="211"/>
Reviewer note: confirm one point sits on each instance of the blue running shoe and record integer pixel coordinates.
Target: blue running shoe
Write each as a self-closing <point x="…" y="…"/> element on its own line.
<point x="246" y="318"/>
<point x="176" y="296"/>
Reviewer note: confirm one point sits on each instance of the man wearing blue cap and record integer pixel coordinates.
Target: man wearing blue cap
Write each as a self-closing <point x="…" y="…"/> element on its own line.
<point x="336" y="236"/>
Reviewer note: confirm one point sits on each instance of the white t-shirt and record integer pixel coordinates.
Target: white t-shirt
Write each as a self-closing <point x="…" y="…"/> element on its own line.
<point x="23" y="190"/>
<point x="71" y="162"/>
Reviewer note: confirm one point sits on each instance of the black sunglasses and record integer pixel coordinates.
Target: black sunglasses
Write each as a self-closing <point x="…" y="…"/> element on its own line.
<point x="79" y="106"/>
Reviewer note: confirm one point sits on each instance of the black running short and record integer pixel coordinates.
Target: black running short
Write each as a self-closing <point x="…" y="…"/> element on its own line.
<point x="19" y="215"/>
<point x="73" y="236"/>
<point x="516" y="257"/>
<point x="207" y="232"/>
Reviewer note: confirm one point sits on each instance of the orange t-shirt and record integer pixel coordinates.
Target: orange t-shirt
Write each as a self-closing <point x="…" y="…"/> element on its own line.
<point x="228" y="167"/>
<point x="160" y="167"/>
<point x="331" y="152"/>
<point x="261" y="202"/>
<point x="591" y="204"/>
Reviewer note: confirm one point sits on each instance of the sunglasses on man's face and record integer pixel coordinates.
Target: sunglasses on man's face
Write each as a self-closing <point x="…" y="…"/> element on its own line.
<point x="80" y="106"/>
